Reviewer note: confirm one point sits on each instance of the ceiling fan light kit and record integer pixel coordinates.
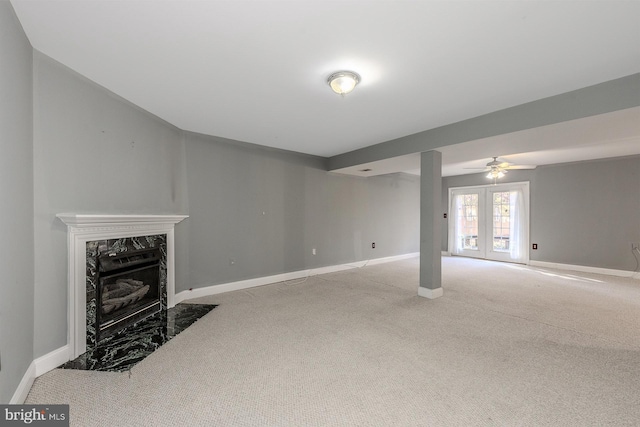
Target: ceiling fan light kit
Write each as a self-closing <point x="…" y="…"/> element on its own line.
<point x="496" y="173"/>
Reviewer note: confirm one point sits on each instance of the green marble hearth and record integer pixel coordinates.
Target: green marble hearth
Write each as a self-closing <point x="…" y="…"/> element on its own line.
<point x="132" y="344"/>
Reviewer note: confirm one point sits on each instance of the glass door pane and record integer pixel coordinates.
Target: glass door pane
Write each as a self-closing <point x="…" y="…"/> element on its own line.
<point x="467" y="226"/>
<point x="469" y="222"/>
<point x="501" y="221"/>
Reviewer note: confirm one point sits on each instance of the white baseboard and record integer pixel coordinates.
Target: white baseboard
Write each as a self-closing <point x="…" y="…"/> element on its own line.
<point x="261" y="281"/>
<point x="38" y="367"/>
<point x="390" y="258"/>
<point x="51" y="360"/>
<point x="430" y="293"/>
<point x="585" y="269"/>
<point x="22" y="391"/>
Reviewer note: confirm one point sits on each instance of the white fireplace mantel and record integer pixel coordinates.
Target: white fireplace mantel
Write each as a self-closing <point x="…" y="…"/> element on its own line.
<point x="83" y="228"/>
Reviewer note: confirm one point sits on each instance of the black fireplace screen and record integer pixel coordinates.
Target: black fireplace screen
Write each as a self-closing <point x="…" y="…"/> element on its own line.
<point x="128" y="289"/>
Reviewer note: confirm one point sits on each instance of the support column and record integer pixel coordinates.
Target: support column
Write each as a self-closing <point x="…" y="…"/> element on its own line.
<point x="430" y="231"/>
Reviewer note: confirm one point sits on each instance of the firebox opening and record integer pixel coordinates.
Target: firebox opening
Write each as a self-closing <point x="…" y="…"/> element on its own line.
<point x="129" y="289"/>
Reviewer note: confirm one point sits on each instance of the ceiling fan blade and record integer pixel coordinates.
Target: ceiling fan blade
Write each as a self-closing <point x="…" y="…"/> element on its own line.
<point x="522" y="167"/>
<point x="482" y="169"/>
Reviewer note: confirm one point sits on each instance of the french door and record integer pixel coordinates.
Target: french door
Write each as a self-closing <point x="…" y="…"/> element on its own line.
<point x="490" y="222"/>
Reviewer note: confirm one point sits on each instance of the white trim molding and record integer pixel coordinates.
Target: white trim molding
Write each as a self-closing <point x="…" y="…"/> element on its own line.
<point x="267" y="280"/>
<point x="83" y="228"/>
<point x="38" y="367"/>
<point x="24" y="387"/>
<point x="430" y="293"/>
<point x="376" y="261"/>
<point x="51" y="360"/>
<point x="586" y="269"/>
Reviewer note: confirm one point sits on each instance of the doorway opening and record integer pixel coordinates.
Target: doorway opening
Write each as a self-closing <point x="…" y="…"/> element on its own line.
<point x="490" y="222"/>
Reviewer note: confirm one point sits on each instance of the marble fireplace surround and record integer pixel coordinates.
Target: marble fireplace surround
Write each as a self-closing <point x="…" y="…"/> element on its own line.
<point x="83" y="228"/>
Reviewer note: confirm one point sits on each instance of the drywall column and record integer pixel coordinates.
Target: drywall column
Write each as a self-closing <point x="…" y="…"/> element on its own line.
<point x="430" y="201"/>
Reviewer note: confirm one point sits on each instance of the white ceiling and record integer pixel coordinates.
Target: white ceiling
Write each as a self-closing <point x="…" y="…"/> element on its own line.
<point x="256" y="71"/>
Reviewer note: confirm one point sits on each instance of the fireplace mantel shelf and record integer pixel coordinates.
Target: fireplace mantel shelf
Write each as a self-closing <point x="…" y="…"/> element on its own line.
<point x="107" y="220"/>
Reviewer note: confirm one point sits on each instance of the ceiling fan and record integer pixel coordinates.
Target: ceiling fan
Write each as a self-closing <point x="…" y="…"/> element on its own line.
<point x="499" y="168"/>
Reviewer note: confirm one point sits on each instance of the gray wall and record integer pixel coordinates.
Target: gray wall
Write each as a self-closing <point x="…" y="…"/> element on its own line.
<point x="16" y="210"/>
<point x="93" y="153"/>
<point x="585" y="213"/>
<point x="267" y="209"/>
<point x="588" y="213"/>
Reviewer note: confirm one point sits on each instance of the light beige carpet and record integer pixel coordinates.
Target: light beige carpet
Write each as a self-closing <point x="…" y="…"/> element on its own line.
<point x="506" y="345"/>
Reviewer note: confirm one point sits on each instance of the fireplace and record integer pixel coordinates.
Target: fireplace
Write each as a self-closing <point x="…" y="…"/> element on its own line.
<point x="92" y="236"/>
<point x="128" y="289"/>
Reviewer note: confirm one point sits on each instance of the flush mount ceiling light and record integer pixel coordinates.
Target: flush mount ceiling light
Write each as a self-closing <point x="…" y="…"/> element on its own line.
<point x="343" y="82"/>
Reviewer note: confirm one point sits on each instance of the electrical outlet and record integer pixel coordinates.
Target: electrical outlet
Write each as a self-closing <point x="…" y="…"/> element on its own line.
<point x="373" y="245"/>
<point x="534" y="246"/>
<point x="313" y="251"/>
